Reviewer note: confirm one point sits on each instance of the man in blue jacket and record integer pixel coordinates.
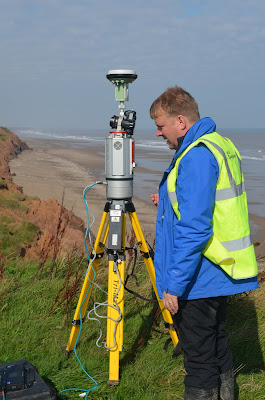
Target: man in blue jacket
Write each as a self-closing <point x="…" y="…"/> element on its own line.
<point x="193" y="288"/>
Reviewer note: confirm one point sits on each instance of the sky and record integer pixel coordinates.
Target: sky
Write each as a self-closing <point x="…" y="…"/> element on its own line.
<point x="55" y="54"/>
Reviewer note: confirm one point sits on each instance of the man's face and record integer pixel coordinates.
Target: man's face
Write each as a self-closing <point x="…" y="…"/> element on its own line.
<point x="170" y="128"/>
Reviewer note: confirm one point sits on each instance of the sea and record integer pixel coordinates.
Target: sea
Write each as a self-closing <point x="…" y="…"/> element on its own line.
<point x="153" y="156"/>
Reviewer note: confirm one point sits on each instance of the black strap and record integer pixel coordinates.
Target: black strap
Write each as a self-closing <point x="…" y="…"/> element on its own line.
<point x="139" y="296"/>
<point x="135" y="277"/>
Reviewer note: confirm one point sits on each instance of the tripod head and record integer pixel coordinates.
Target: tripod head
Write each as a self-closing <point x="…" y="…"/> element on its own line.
<point x="119" y="146"/>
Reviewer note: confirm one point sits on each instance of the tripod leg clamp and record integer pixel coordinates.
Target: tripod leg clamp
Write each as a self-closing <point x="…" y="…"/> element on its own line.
<point x="77" y="321"/>
<point x="95" y="257"/>
<point x="169" y="326"/>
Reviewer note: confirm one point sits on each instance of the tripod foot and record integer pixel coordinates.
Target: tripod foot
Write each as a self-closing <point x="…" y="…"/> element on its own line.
<point x="113" y="383"/>
<point x="176" y="352"/>
<point x="177" y="349"/>
<point x="66" y="352"/>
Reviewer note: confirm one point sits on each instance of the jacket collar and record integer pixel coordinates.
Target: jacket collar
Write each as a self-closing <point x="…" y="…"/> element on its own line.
<point x="200" y="128"/>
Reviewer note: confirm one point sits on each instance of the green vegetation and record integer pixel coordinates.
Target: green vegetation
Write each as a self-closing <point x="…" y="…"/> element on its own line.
<point x="3" y="184"/>
<point x="37" y="308"/>
<point x="15" y="235"/>
<point x="6" y="130"/>
<point x="15" y="201"/>
<point x="3" y="136"/>
<point x="4" y="133"/>
<point x="15" y="232"/>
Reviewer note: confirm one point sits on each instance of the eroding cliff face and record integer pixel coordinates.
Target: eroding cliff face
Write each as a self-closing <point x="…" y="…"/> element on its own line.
<point x="58" y="229"/>
<point x="10" y="147"/>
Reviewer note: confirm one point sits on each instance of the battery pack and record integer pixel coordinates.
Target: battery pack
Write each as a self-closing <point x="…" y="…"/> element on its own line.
<point x="20" y="380"/>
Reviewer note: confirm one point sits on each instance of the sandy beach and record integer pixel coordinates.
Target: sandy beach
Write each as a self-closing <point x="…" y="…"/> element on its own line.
<point x="52" y="169"/>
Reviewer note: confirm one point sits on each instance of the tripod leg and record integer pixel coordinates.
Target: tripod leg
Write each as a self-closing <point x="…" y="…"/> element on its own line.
<point x="90" y="276"/>
<point x="116" y="303"/>
<point x="115" y="316"/>
<point x="151" y="270"/>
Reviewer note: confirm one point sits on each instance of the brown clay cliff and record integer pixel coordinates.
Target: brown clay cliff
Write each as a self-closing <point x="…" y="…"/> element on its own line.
<point x="59" y="229"/>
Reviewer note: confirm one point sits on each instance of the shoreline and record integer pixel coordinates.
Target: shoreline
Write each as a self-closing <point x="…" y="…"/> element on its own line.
<point x="51" y="169"/>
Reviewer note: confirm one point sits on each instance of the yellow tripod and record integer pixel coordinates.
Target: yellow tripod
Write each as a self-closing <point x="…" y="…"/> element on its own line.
<point x="115" y="229"/>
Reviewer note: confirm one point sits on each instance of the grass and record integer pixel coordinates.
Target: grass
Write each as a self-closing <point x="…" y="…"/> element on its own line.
<point x="3" y="137"/>
<point x="4" y="133"/>
<point x="15" y="235"/>
<point x="5" y="130"/>
<point x="15" y="231"/>
<point x="37" y="310"/>
<point x="3" y="182"/>
<point x="15" y="201"/>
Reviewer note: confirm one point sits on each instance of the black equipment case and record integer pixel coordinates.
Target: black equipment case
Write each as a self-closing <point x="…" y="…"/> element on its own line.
<point x="20" y="380"/>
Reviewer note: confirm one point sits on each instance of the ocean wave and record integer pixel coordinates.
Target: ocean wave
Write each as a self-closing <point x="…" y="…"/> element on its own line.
<point x="30" y="132"/>
<point x="152" y="145"/>
<point x="146" y="146"/>
<point x="57" y="135"/>
<point x="253" y="158"/>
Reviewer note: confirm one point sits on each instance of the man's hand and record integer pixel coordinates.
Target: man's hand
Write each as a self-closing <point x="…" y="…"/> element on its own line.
<point x="155" y="198"/>
<point x="170" y="302"/>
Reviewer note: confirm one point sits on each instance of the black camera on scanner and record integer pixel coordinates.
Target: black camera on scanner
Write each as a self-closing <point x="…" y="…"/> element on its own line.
<point x="127" y="123"/>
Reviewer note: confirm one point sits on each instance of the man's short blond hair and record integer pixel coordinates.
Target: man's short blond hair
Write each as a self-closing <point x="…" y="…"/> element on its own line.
<point x="176" y="101"/>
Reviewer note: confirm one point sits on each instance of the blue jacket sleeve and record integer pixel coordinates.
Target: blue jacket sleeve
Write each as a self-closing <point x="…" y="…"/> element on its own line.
<point x="196" y="185"/>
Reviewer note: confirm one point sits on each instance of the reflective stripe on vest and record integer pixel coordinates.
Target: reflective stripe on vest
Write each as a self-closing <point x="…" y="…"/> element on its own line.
<point x="173" y="197"/>
<point x="229" y="193"/>
<point x="234" y="190"/>
<point x="237" y="244"/>
<point x="230" y="246"/>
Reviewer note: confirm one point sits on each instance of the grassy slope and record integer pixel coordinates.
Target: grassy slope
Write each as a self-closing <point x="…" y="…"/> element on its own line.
<point x="28" y="330"/>
<point x="15" y="231"/>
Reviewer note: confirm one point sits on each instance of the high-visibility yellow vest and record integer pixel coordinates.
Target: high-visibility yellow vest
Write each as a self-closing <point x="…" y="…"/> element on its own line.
<point x="230" y="245"/>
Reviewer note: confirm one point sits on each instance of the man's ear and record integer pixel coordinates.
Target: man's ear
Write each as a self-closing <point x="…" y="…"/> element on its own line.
<point x="182" y="121"/>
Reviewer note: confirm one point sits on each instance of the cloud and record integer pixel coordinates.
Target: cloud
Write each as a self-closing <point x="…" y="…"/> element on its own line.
<point x="49" y="46"/>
